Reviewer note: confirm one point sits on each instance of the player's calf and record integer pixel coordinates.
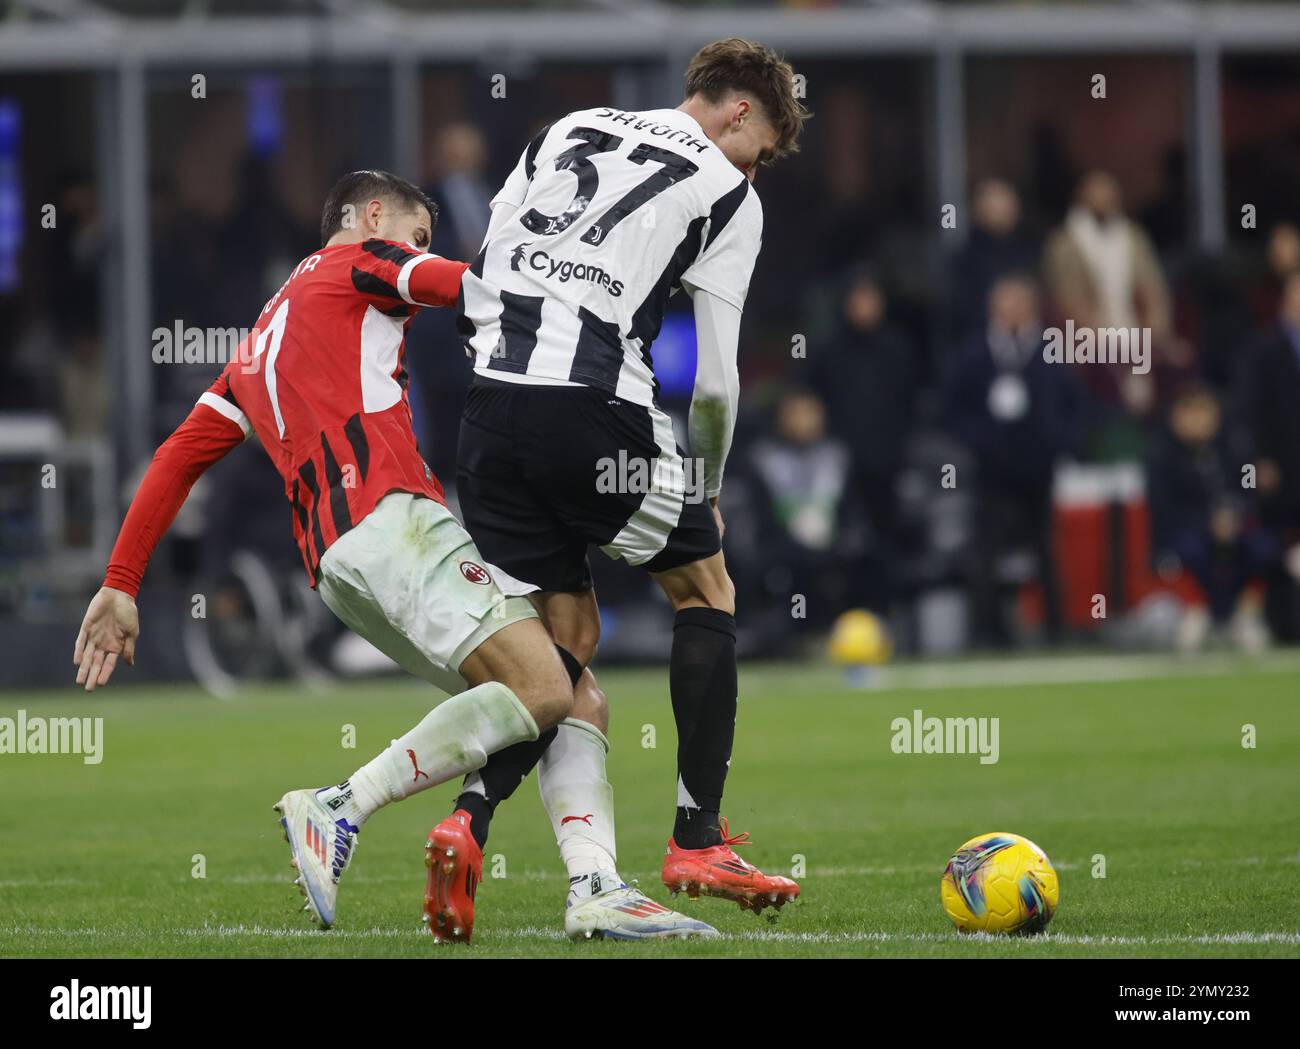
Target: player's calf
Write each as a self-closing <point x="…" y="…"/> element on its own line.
<point x="703" y="684"/>
<point x="523" y="658"/>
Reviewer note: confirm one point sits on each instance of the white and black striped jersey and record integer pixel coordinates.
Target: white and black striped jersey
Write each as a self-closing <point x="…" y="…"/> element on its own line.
<point x="614" y="211"/>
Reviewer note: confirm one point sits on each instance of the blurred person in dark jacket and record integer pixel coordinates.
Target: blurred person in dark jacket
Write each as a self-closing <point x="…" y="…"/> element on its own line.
<point x="1281" y="260"/>
<point x="1017" y="415"/>
<point x="867" y="376"/>
<point x="802" y="474"/>
<point x="1270" y="400"/>
<point x="459" y="158"/>
<point x="997" y="246"/>
<point x="1202" y="518"/>
<point x="79" y="239"/>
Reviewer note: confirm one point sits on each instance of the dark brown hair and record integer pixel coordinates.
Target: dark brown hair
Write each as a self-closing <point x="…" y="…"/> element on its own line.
<point x="741" y="65"/>
<point x="359" y="187"/>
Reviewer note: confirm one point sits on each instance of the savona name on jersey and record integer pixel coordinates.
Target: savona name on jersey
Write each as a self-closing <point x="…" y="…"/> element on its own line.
<point x="613" y="212"/>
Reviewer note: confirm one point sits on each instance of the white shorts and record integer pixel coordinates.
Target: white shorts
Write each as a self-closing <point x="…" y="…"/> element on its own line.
<point x="410" y="580"/>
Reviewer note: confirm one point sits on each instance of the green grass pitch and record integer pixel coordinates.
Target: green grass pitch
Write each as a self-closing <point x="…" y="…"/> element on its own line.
<point x="1200" y="835"/>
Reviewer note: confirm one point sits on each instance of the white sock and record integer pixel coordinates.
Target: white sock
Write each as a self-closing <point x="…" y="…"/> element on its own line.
<point x="580" y="802"/>
<point x="341" y="800"/>
<point x="474" y="785"/>
<point x="454" y="738"/>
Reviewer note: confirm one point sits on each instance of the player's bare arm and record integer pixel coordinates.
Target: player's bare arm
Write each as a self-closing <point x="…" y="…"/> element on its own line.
<point x="112" y="625"/>
<point x="715" y="404"/>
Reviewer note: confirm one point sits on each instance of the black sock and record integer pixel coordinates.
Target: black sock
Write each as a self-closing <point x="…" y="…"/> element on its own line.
<point x="696" y="828"/>
<point x="508" y="768"/>
<point x="480" y="814"/>
<point x="702" y="680"/>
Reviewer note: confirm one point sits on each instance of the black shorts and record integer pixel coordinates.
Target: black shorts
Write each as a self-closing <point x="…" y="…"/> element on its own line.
<point x="543" y="471"/>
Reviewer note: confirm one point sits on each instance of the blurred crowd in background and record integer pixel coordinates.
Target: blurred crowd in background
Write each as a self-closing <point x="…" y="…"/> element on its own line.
<point x="904" y="446"/>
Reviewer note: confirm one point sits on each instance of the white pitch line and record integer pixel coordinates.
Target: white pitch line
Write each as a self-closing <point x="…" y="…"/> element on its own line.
<point x="358" y="878"/>
<point x="533" y="932"/>
<point x="1067" y="939"/>
<point x="227" y="931"/>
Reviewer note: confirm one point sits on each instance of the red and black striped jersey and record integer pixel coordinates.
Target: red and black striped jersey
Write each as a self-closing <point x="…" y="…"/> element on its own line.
<point x="322" y="381"/>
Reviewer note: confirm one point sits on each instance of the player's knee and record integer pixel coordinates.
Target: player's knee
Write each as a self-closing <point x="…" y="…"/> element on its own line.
<point x="718" y="590"/>
<point x="553" y="709"/>
<point x="546" y="692"/>
<point x="579" y="639"/>
<point x="589" y="702"/>
<point x="584" y="646"/>
<point x="714" y="590"/>
<point x="700" y="584"/>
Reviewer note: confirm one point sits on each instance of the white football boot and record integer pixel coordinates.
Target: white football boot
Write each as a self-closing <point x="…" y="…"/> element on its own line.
<point x="626" y="913"/>
<point x="322" y="849"/>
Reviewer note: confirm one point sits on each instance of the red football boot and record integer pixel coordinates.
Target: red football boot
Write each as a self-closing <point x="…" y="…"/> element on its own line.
<point x="455" y="865"/>
<point x="718" y="871"/>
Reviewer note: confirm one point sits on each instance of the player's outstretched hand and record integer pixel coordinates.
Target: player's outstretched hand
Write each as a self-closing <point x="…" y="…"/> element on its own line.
<point x="108" y="631"/>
